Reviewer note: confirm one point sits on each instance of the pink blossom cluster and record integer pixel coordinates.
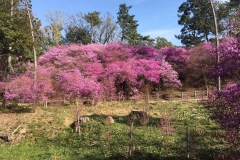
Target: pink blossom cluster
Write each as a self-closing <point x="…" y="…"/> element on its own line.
<point x="22" y="87"/>
<point x="224" y="107"/>
<point x="228" y="68"/>
<point x="95" y="71"/>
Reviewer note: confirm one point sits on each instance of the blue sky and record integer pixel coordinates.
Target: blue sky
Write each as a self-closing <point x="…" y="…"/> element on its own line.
<point x="155" y="17"/>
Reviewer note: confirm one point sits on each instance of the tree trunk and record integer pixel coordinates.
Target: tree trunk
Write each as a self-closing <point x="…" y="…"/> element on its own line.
<point x="131" y="141"/>
<point x="34" y="55"/>
<point x="206" y="36"/>
<point x="9" y="60"/>
<point x="217" y="44"/>
<point x="9" y="67"/>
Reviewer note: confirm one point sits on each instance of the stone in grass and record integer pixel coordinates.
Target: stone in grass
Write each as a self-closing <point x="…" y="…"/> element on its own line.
<point x="109" y="120"/>
<point x="7" y="138"/>
<point x="76" y="124"/>
<point x="4" y="138"/>
<point x="87" y="103"/>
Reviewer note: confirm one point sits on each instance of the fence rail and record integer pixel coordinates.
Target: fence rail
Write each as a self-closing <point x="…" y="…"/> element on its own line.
<point x="192" y="96"/>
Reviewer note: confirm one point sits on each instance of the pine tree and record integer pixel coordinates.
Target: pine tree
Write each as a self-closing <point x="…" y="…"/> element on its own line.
<point x="129" y="27"/>
<point x="15" y="32"/>
<point x="93" y="20"/>
<point x="197" y="20"/>
<point x="126" y="21"/>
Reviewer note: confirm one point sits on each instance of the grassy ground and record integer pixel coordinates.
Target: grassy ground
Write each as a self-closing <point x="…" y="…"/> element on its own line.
<point x="46" y="134"/>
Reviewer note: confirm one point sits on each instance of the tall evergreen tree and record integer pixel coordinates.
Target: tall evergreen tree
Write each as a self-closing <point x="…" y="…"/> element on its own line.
<point x="235" y="3"/>
<point x="94" y="21"/>
<point x="197" y="20"/>
<point x="15" y="32"/>
<point x="129" y="27"/>
<point x="233" y="20"/>
<point x="75" y="34"/>
<point x="126" y="22"/>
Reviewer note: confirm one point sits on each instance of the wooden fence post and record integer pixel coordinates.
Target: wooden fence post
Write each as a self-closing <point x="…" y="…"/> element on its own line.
<point x="182" y="95"/>
<point x="187" y="137"/>
<point x="131" y="141"/>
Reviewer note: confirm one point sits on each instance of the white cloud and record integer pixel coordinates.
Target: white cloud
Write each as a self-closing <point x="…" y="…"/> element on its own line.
<point x="223" y="0"/>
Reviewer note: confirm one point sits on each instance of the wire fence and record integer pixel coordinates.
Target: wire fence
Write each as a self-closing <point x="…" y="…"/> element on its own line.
<point x="191" y="95"/>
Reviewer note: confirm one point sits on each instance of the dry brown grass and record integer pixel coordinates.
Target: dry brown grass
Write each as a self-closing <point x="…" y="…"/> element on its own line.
<point x="57" y="117"/>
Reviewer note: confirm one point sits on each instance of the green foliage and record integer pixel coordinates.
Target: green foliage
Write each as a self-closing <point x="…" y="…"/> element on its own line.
<point x="15" y="28"/>
<point x="196" y="17"/>
<point x="126" y="22"/>
<point x="129" y="27"/>
<point x="101" y="141"/>
<point x="53" y="32"/>
<point x="77" y="35"/>
<point x="234" y="3"/>
<point x="94" y="21"/>
<point x="15" y="32"/>
<point x="232" y="22"/>
<point x="93" y="18"/>
<point x="90" y="28"/>
<point x="161" y="42"/>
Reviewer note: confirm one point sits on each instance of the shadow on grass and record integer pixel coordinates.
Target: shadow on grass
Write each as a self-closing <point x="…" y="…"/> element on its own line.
<point x="153" y="122"/>
<point x="15" y="108"/>
<point x="101" y="141"/>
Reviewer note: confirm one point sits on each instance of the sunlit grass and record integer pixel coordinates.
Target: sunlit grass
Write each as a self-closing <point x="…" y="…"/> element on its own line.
<point x="49" y="136"/>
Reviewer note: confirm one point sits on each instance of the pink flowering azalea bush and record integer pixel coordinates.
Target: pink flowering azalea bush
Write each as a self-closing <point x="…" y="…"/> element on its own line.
<point x="73" y="84"/>
<point x="94" y="71"/>
<point x="229" y="66"/>
<point x="174" y="54"/>
<point x="115" y="51"/>
<point x="145" y="52"/>
<point x="198" y="67"/>
<point x="224" y="105"/>
<point x="22" y="86"/>
<point x="177" y="57"/>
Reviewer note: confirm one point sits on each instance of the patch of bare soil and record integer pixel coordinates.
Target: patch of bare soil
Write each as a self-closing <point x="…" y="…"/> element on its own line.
<point x="68" y="122"/>
<point x="15" y="126"/>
